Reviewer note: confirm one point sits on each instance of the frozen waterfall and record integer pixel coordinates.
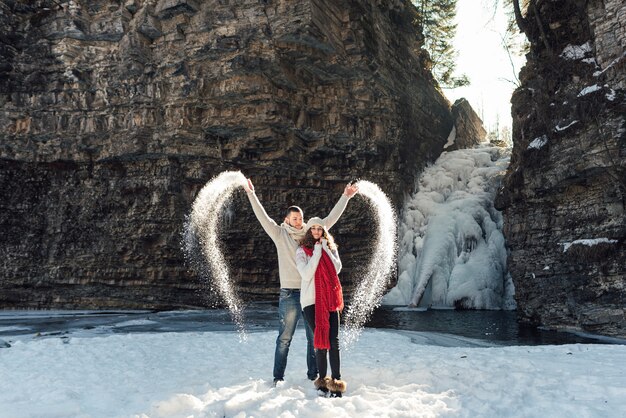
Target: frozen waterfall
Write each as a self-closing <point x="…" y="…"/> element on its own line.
<point x="451" y="249"/>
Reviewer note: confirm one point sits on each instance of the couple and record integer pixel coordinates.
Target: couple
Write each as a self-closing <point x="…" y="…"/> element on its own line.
<point x="308" y="264"/>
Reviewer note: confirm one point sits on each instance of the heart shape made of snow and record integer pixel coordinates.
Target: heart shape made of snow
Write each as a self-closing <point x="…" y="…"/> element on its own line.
<point x="201" y="235"/>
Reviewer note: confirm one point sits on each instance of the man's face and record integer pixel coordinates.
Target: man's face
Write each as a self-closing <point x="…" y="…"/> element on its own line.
<point x="294" y="219"/>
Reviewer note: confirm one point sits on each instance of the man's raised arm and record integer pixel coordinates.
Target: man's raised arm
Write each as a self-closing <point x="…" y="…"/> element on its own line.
<point x="337" y="211"/>
<point x="267" y="223"/>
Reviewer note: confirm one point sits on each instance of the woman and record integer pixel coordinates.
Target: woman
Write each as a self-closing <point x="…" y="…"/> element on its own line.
<point x="321" y="296"/>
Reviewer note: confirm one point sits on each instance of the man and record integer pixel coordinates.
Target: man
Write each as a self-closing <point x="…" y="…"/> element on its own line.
<point x="287" y="237"/>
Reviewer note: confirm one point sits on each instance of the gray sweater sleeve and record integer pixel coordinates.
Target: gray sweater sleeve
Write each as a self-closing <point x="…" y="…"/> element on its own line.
<point x="307" y="266"/>
<point x="267" y="223"/>
<point x="336" y="212"/>
<point x="334" y="257"/>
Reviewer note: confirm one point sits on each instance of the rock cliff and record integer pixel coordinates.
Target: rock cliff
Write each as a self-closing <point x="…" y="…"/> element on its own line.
<point x="113" y="114"/>
<point x="565" y="190"/>
<point x="468" y="129"/>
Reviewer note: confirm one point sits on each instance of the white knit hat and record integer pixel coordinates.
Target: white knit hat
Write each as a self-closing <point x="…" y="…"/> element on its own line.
<point x="314" y="221"/>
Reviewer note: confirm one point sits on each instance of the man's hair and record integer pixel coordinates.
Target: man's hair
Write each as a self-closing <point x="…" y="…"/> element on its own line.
<point x="291" y="209"/>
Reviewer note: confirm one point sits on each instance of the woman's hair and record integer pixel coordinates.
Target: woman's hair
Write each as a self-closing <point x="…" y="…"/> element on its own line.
<point x="309" y="242"/>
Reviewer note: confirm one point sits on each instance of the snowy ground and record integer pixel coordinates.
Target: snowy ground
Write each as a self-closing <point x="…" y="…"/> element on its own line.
<point x="389" y="373"/>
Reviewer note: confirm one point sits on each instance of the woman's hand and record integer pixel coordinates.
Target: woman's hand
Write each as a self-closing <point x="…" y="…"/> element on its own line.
<point x="324" y="242"/>
<point x="350" y="190"/>
<point x="250" y="187"/>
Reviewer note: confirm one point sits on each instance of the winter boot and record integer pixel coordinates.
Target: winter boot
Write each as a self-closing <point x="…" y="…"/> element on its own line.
<point x="336" y="387"/>
<point x="321" y="384"/>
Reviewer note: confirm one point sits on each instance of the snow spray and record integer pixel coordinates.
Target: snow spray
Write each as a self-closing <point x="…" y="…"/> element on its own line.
<point x="369" y="291"/>
<point x="201" y="245"/>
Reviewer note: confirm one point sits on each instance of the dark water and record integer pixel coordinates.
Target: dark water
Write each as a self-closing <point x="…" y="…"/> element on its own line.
<point x="497" y="327"/>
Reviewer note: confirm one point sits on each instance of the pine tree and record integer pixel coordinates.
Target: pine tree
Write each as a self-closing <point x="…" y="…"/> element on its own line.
<point x="437" y="22"/>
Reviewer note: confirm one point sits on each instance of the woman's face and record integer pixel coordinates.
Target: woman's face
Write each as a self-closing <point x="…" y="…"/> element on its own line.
<point x="317" y="231"/>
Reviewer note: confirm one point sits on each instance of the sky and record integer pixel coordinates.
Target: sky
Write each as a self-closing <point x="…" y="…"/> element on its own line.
<point x="484" y="60"/>
<point x="388" y="374"/>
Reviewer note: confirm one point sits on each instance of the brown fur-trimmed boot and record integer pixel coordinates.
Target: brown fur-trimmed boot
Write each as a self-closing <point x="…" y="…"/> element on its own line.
<point x="336" y="387"/>
<point x="321" y="384"/>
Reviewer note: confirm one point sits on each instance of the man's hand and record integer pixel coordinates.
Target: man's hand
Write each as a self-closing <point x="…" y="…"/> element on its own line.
<point x="249" y="188"/>
<point x="350" y="190"/>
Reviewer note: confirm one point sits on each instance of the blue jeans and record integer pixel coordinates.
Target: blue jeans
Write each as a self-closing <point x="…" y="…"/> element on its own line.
<point x="289" y="312"/>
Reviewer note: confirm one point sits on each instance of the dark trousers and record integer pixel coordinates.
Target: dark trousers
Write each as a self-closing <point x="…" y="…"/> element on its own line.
<point x="333" y="353"/>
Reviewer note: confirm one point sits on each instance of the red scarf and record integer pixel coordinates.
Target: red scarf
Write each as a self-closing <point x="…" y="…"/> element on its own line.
<point x="328" y="298"/>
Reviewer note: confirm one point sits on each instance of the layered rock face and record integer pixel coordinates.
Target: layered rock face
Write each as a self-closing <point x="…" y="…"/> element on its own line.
<point x="468" y="129"/>
<point x="114" y="114"/>
<point x="565" y="191"/>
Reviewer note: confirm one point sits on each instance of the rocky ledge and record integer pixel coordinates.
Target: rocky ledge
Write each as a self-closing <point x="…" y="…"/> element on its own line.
<point x="565" y="190"/>
<point x="114" y="114"/>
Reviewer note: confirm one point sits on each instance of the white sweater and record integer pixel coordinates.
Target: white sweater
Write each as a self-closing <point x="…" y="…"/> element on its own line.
<point x="307" y="267"/>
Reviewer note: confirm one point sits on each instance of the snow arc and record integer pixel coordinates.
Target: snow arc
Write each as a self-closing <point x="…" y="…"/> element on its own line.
<point x="370" y="289"/>
<point x="201" y="235"/>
